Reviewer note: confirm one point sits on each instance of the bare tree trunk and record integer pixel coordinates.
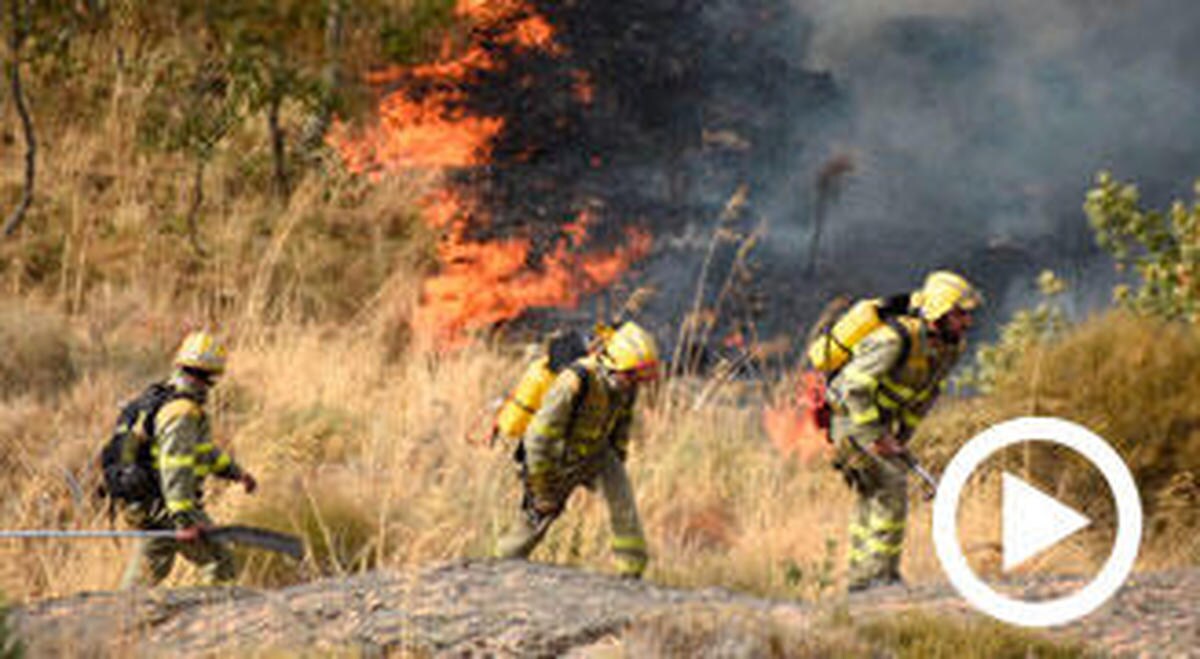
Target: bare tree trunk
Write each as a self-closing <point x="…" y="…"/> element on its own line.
<point x="194" y="209"/>
<point x="16" y="40"/>
<point x="278" y="146"/>
<point x="318" y="124"/>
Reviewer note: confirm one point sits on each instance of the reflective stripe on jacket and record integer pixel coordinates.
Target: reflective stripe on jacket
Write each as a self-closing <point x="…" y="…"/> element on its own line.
<point x="601" y="420"/>
<point x="876" y="393"/>
<point x="184" y="455"/>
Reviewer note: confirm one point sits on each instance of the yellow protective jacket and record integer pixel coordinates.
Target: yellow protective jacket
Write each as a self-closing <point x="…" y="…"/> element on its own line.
<point x="891" y="381"/>
<point x="568" y="433"/>
<point x="184" y="455"/>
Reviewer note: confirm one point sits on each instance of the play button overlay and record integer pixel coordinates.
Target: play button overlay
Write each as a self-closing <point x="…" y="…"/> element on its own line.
<point x="1033" y="521"/>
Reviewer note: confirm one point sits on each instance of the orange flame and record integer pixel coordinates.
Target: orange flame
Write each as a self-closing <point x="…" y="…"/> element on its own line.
<point x="582" y="87"/>
<point x="432" y="132"/>
<point x="792" y="425"/>
<point x="412" y="134"/>
<point x="478" y="283"/>
<point x="484" y="283"/>
<point x="535" y="33"/>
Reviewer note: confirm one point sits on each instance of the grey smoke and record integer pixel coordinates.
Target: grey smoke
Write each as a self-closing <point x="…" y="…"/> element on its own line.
<point x="978" y="125"/>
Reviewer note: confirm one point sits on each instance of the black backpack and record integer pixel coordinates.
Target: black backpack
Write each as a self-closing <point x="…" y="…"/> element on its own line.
<point x="127" y="466"/>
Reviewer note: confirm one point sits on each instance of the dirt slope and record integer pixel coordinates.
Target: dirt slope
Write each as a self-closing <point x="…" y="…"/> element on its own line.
<point x="506" y="609"/>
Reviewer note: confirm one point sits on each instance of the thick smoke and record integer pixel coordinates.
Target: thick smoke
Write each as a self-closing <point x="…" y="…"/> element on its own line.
<point x="978" y="126"/>
<point x="924" y="133"/>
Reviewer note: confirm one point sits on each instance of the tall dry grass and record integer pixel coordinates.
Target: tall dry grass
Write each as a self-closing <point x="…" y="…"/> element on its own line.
<point x="1133" y="380"/>
<point x="110" y="212"/>
<point x="102" y="280"/>
<point x="365" y="454"/>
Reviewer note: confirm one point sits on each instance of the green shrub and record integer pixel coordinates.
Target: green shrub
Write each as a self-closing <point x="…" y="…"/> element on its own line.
<point x="407" y="37"/>
<point x="1163" y="248"/>
<point x="1028" y="328"/>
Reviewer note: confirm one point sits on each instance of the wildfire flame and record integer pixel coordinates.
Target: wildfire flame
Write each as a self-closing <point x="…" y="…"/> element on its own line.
<point x="480" y="283"/>
<point x="791" y="423"/>
<point x="483" y="283"/>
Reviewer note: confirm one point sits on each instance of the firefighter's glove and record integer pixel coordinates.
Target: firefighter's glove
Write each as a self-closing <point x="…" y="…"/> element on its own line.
<point x="191" y="533"/>
<point x="248" y="482"/>
<point x="888" y="446"/>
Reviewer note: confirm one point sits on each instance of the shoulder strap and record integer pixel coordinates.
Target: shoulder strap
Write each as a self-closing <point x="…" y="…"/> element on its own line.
<point x="905" y="339"/>
<point x="159" y="394"/>
<point x="584" y="383"/>
<point x="894" y="305"/>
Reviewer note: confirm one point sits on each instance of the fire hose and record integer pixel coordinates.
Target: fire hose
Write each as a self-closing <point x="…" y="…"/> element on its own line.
<point x="250" y="536"/>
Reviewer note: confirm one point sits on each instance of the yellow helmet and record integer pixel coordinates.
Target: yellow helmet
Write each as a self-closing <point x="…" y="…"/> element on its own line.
<point x="201" y="351"/>
<point x="943" y="291"/>
<point x="631" y="348"/>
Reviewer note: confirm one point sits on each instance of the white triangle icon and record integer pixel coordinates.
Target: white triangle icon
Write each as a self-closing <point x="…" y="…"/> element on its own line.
<point x="1033" y="521"/>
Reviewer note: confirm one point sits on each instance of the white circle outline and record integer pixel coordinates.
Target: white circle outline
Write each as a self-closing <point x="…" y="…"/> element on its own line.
<point x="1064" y="609"/>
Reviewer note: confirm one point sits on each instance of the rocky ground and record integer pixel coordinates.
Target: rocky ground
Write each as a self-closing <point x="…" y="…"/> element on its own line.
<point x="514" y="609"/>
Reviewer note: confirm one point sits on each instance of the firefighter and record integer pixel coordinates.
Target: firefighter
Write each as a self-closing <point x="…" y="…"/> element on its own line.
<point x="580" y="436"/>
<point x="183" y="455"/>
<point x="877" y="399"/>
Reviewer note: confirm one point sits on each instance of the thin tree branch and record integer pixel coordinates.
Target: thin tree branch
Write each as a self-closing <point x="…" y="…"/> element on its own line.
<point x="278" y="144"/>
<point x="16" y="40"/>
<point x="194" y="209"/>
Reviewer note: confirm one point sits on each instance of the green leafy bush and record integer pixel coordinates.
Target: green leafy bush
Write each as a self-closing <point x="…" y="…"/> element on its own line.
<point x="1029" y="327"/>
<point x="1163" y="248"/>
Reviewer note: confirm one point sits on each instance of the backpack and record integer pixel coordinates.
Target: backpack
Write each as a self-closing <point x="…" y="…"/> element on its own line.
<point x="522" y="404"/>
<point x="842" y="326"/>
<point x="126" y="463"/>
<point x="839" y="328"/>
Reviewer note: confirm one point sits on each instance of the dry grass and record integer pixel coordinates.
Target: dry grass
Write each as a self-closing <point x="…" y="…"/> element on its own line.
<point x="101" y="282"/>
<point x="705" y="631"/>
<point x="366" y="456"/>
<point x="37" y="352"/>
<point x="1135" y="381"/>
<point x="109" y="216"/>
